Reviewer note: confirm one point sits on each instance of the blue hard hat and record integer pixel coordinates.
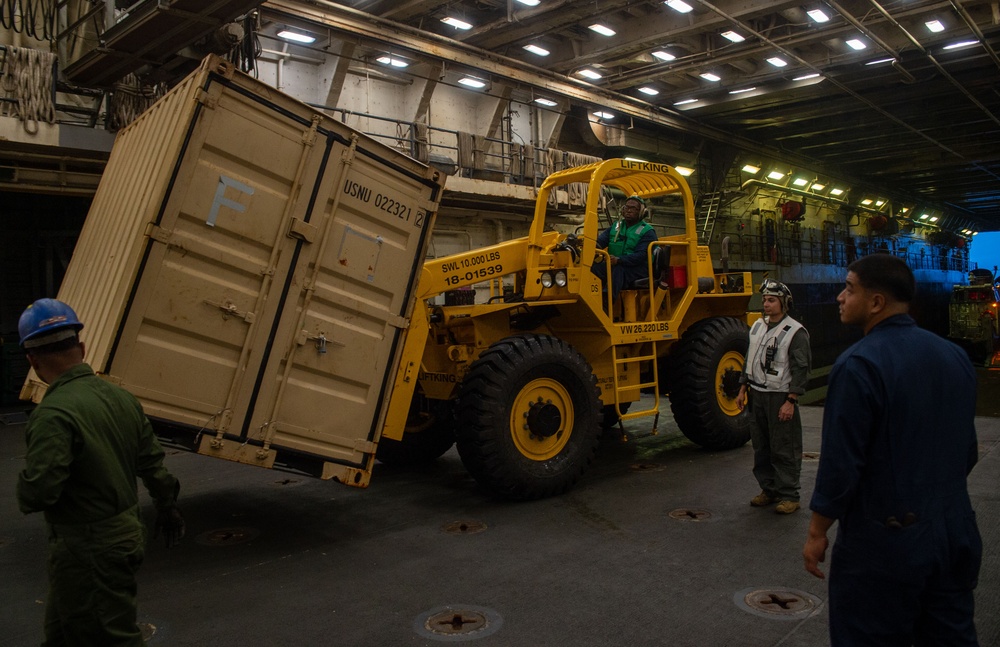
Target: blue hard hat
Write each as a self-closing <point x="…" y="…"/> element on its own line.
<point x="47" y="321"/>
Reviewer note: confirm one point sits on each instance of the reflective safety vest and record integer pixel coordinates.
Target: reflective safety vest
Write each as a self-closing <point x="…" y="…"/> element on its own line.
<point x="767" y="357"/>
<point x="623" y="239"/>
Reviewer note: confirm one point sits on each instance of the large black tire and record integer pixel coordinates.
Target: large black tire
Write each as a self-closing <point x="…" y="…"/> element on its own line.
<point x="430" y="432"/>
<point x="528" y="417"/>
<point x="703" y="376"/>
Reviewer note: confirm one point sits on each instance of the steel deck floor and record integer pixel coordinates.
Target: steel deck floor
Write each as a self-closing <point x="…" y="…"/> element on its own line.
<point x="657" y="545"/>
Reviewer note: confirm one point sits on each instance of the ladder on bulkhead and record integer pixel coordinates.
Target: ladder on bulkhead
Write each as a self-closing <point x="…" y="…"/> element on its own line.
<point x="620" y="388"/>
<point x="708" y="212"/>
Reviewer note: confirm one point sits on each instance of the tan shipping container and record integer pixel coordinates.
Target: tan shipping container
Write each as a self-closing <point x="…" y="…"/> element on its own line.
<point x="247" y="270"/>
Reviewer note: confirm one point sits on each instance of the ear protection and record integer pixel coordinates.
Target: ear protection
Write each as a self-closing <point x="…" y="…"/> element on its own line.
<point x="773" y="288"/>
<point x="642" y="205"/>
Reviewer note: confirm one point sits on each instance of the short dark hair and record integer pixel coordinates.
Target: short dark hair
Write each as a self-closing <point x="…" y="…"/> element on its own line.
<point x="55" y="348"/>
<point x="887" y="274"/>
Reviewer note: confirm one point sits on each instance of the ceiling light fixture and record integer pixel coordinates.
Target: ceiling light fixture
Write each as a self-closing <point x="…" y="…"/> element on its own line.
<point x="880" y="61"/>
<point x="818" y="15"/>
<point x="934" y="26"/>
<point x="879" y="203"/>
<point x="733" y="37"/>
<point x="818" y="187"/>
<point x="964" y="43"/>
<point x="648" y="90"/>
<point x="708" y="76"/>
<point x="456" y="23"/>
<point x="542" y="101"/>
<point x="800" y="181"/>
<point x="777" y="61"/>
<point x="535" y="49"/>
<point x="866" y="201"/>
<point x="836" y="191"/>
<point x="472" y="82"/>
<point x="750" y="168"/>
<point x="806" y="77"/>
<point x="684" y="170"/>
<point x="664" y="56"/>
<point x="600" y="114"/>
<point x="925" y="216"/>
<point x="590" y="74"/>
<point x="934" y="218"/>
<point x="296" y="37"/>
<point x="854" y="43"/>
<point x="683" y="102"/>
<point x="602" y="29"/>
<point x="392" y="61"/>
<point x="776" y="175"/>
<point x="742" y="90"/>
<point x="679" y="6"/>
<point x="530" y="3"/>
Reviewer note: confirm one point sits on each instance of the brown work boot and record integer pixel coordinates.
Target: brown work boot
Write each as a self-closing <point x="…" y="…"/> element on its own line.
<point x="786" y="507"/>
<point x="761" y="500"/>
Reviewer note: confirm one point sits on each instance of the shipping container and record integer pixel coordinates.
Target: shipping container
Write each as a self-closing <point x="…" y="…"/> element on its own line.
<point x="247" y="270"/>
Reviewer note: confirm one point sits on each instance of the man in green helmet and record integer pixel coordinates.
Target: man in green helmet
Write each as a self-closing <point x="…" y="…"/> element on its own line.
<point x="627" y="242"/>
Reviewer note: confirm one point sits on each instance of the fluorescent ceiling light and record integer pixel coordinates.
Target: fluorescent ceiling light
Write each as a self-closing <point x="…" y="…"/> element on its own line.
<point x="392" y="60"/>
<point x="866" y="202"/>
<point x="472" y="82"/>
<point x="664" y="56"/>
<point x="836" y="191"/>
<point x="925" y="216"/>
<point x="535" y="49"/>
<point x="600" y="114"/>
<point x="879" y="203"/>
<point x="708" y="76"/>
<point x="800" y="181"/>
<point x="678" y="5"/>
<point x="648" y="90"/>
<point x="964" y="43"/>
<point x="880" y="61"/>
<point x="806" y="77"/>
<point x="904" y="210"/>
<point x="818" y="15"/>
<point x="530" y="3"/>
<point x="545" y="102"/>
<point x="818" y="187"/>
<point x="854" y="43"/>
<point x="742" y="90"/>
<point x="635" y="159"/>
<point x="777" y="61"/>
<point x="732" y="36"/>
<point x="602" y="29"/>
<point x="685" y="102"/>
<point x="296" y="37"/>
<point x="934" y="25"/>
<point x="589" y="73"/>
<point x="750" y="168"/>
<point x="683" y="170"/>
<point x="456" y="23"/>
<point x="934" y="218"/>
<point x="776" y="175"/>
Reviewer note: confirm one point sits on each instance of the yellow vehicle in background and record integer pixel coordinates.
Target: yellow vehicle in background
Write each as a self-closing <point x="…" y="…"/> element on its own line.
<point x="522" y="382"/>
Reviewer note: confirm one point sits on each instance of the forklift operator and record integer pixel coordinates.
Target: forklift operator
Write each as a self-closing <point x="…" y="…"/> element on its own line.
<point x="627" y="242"/>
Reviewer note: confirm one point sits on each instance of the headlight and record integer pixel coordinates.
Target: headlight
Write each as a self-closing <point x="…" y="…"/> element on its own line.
<point x="561" y="278"/>
<point x="546" y="280"/>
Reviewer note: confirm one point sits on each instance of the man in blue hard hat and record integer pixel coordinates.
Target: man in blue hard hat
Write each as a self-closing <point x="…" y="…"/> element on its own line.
<point x="87" y="443"/>
<point x="627" y="242"/>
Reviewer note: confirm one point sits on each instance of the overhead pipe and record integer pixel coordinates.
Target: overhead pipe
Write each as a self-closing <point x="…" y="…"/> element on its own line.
<point x="971" y="24"/>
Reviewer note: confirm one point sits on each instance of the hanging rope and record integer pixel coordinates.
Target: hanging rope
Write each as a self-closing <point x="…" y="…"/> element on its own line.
<point x="130" y="98"/>
<point x="27" y="78"/>
<point x="34" y="18"/>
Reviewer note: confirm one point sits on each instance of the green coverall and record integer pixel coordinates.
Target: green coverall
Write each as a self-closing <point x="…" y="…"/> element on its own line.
<point x="87" y="441"/>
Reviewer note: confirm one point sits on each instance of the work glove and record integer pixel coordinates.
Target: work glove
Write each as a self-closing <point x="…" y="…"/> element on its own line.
<point x="169" y="522"/>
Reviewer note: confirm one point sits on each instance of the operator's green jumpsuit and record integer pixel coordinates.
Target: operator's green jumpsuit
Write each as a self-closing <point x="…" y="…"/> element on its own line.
<point x="88" y="440"/>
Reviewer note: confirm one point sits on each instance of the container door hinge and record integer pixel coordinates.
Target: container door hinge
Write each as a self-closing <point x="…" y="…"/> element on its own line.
<point x="397" y="322"/>
<point x="302" y="230"/>
<point x="157" y="233"/>
<point x="364" y="446"/>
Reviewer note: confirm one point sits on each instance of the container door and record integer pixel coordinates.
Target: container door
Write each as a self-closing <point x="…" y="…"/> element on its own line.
<point x="325" y="386"/>
<point x="197" y="325"/>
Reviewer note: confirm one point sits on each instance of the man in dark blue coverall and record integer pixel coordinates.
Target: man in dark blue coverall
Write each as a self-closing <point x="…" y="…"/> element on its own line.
<point x="898" y="443"/>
